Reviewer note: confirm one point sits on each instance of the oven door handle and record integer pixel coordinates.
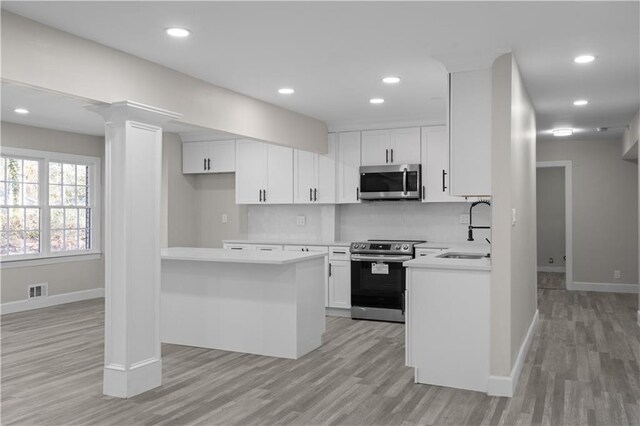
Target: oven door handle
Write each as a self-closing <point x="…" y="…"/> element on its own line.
<point x="383" y="258"/>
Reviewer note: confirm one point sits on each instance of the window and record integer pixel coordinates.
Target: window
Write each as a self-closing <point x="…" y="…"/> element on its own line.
<point x="49" y="204"/>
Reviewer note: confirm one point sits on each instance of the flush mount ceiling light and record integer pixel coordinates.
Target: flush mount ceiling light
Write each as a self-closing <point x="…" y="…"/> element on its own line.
<point x="286" y="91"/>
<point x="584" y="59"/>
<point x="580" y="102"/>
<point x="376" y="100"/>
<point x="391" y="80"/>
<point x="21" y="111"/>
<point x="562" y="132"/>
<point x="177" y="32"/>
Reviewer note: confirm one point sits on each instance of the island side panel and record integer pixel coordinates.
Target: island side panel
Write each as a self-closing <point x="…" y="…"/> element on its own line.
<point x="248" y="308"/>
<point x="310" y="304"/>
<point x="448" y="327"/>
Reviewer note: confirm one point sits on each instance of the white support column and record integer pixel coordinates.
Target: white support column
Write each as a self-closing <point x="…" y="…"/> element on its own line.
<point x="133" y="174"/>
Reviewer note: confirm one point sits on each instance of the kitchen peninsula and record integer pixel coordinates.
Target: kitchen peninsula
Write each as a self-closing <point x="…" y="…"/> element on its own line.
<point x="259" y="302"/>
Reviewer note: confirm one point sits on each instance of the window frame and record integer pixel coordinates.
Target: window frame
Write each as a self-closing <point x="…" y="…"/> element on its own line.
<point x="93" y="202"/>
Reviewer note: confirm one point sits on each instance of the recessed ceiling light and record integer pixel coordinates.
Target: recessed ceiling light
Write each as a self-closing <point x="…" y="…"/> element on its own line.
<point x="376" y="100"/>
<point x="391" y="80"/>
<point x="562" y="132"/>
<point x="286" y="91"/>
<point x="580" y="102"/>
<point x="21" y="111"/>
<point x="584" y="59"/>
<point x="177" y="32"/>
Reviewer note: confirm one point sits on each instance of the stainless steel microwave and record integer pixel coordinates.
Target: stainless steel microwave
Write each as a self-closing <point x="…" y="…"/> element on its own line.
<point x="396" y="182"/>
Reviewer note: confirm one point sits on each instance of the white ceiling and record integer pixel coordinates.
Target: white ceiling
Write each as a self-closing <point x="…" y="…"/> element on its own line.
<point x="334" y="53"/>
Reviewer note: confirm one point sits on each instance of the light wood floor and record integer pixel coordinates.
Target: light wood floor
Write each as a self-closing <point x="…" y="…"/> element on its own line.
<point x="582" y="369"/>
<point x="551" y="280"/>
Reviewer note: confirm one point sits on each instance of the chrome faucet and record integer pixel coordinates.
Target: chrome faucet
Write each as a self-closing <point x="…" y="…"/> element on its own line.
<point x="471" y="227"/>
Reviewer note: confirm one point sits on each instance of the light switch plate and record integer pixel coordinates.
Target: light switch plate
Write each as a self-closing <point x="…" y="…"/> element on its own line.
<point x="513" y="217"/>
<point x="225" y="218"/>
<point x="301" y="220"/>
<point x="464" y="219"/>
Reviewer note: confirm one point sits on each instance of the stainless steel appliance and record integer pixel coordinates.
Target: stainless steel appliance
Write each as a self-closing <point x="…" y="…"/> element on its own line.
<point x="395" y="182"/>
<point x="378" y="279"/>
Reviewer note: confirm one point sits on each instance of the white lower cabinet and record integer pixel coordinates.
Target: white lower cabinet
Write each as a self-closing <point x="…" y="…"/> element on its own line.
<point x="339" y="278"/>
<point x="230" y="246"/>
<point x="447" y="327"/>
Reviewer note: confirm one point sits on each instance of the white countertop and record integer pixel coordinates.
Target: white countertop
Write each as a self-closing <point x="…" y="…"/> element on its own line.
<point x="233" y="256"/>
<point x="435" y="262"/>
<point x="291" y="242"/>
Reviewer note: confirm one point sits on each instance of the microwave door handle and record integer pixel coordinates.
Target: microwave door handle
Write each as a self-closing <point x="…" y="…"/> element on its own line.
<point x="404" y="181"/>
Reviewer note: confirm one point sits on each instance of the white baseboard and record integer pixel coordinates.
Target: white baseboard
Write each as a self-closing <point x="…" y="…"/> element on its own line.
<point x="552" y="269"/>
<point x="338" y="312"/>
<point x="45" y="302"/>
<point x="604" y="287"/>
<point x="506" y="385"/>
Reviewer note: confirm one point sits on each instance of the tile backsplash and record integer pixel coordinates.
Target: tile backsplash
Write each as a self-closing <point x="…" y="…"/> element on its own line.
<point x="351" y="222"/>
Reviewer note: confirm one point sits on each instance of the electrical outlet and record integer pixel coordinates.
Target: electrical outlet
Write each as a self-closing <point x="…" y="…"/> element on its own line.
<point x="301" y="220"/>
<point x="464" y="219"/>
<point x="551" y="260"/>
<point x="37" y="291"/>
<point x="616" y="274"/>
<point x="225" y="218"/>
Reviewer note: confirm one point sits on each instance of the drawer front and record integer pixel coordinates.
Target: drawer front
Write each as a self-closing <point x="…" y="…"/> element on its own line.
<point x="339" y="253"/>
<point x="426" y="252"/>
<point x="268" y="247"/>
<point x="318" y="249"/>
<point x="238" y="246"/>
<point x="295" y="248"/>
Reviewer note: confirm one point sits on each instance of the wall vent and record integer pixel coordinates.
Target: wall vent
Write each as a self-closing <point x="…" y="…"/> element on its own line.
<point x="37" y="291"/>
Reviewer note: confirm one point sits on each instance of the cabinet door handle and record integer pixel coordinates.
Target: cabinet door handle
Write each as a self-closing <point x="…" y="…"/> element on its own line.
<point x="310" y="194"/>
<point x="260" y="195"/>
<point x="339" y="252"/>
<point x="387" y="155"/>
<point x="357" y="193"/>
<point x="423" y="192"/>
<point x="204" y="167"/>
<point x="329" y="269"/>
<point x="443" y="181"/>
<point x="391" y="155"/>
<point x="208" y="163"/>
<point x="264" y="195"/>
<point x="315" y="194"/>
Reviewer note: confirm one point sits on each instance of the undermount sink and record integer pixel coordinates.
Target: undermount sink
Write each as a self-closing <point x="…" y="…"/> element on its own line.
<point x="466" y="256"/>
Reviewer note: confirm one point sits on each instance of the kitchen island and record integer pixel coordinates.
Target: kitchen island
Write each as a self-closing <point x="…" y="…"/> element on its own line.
<point x="266" y="303"/>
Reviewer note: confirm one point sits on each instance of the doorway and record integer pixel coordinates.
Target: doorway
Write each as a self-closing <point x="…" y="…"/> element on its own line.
<point x="554" y="225"/>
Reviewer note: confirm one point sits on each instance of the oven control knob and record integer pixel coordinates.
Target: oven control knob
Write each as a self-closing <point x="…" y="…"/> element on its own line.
<point x="356" y="246"/>
<point x="397" y="246"/>
<point x="405" y="247"/>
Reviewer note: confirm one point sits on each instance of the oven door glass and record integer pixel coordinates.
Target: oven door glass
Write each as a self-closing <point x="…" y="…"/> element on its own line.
<point x="377" y="284"/>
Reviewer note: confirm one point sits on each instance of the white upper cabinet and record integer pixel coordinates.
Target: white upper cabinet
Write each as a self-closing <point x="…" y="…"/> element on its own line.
<point x="314" y="176"/>
<point x="391" y="146"/>
<point x="470" y="127"/>
<point x="405" y="146"/>
<point x="279" y="184"/>
<point x="348" y="167"/>
<point x="208" y="157"/>
<point x="264" y="173"/>
<point x="251" y="171"/>
<point x="435" y="165"/>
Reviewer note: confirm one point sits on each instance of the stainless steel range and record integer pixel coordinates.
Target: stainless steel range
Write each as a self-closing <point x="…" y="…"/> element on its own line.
<point x="378" y="278"/>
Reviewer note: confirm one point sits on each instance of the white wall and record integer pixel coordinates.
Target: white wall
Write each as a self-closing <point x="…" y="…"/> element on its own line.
<point x="513" y="181"/>
<point x="630" y="139"/>
<point x="550" y="186"/>
<point x="37" y="55"/>
<point x="605" y="208"/>
<point x="62" y="277"/>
